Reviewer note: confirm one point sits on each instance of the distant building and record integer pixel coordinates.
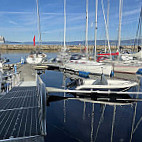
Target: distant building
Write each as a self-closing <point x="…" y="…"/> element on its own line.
<point x="2" y="39"/>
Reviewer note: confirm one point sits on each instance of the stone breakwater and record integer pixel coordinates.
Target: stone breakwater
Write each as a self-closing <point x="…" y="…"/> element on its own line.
<point x="51" y="47"/>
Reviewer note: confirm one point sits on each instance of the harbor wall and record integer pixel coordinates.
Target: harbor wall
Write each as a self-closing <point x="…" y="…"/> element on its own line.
<point x="52" y="47"/>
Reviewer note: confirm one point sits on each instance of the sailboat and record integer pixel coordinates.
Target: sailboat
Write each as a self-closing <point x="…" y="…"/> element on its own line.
<point x="105" y="56"/>
<point x="36" y="56"/>
<point x="137" y="55"/>
<point x="84" y="64"/>
<point x="127" y="65"/>
<point x="63" y="55"/>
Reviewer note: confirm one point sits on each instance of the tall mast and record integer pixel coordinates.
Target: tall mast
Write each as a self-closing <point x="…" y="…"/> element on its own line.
<point x="120" y="21"/>
<point x="108" y="13"/>
<point x="64" y="25"/>
<point x="86" y="40"/>
<point x="138" y="30"/>
<point x="108" y="6"/>
<point x="38" y="25"/>
<point x="96" y="19"/>
<point x="106" y="27"/>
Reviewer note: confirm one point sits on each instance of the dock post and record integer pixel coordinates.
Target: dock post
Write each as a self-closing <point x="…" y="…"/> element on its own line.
<point x="0" y="80"/>
<point x="44" y="108"/>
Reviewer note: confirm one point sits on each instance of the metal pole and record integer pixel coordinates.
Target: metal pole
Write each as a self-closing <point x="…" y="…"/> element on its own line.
<point x="120" y="21"/>
<point x="137" y="33"/>
<point x="107" y="19"/>
<point x="86" y="40"/>
<point x="96" y="29"/>
<point x="64" y="25"/>
<point x="38" y="25"/>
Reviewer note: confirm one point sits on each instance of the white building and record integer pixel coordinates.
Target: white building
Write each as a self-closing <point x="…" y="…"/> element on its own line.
<point x="2" y="39"/>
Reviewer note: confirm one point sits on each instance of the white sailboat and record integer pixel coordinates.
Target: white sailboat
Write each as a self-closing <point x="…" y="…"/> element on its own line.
<point x="37" y="57"/>
<point x="137" y="55"/>
<point x="63" y="55"/>
<point x="127" y="67"/>
<point x="84" y="64"/>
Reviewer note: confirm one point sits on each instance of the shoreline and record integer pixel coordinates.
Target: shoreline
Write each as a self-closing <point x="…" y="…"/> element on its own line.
<point x="54" y="47"/>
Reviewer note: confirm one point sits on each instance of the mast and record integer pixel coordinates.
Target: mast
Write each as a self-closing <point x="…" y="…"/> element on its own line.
<point x="120" y="21"/>
<point x="64" y="25"/>
<point x="138" y="33"/>
<point x="108" y="6"/>
<point x="38" y="25"/>
<point x="108" y="13"/>
<point x="106" y="27"/>
<point x="86" y="39"/>
<point x="96" y="19"/>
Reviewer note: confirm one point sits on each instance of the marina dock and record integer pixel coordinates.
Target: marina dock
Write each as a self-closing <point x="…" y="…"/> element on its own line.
<point x="23" y="109"/>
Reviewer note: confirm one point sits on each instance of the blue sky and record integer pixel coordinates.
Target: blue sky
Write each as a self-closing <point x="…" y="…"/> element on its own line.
<point x="19" y="20"/>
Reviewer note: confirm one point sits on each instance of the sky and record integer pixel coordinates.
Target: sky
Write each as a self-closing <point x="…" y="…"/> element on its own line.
<point x="19" y="19"/>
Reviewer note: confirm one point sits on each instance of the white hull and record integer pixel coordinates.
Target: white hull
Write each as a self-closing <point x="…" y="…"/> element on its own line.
<point x="36" y="58"/>
<point x="113" y="85"/>
<point x="127" y="57"/>
<point x="90" y="66"/>
<point x="130" y="67"/>
<point x="63" y="56"/>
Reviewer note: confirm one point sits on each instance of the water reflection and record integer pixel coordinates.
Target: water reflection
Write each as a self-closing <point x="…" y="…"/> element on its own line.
<point x="105" y="118"/>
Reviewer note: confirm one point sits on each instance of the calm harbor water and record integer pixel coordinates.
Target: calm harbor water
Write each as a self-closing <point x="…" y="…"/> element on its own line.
<point x="80" y="121"/>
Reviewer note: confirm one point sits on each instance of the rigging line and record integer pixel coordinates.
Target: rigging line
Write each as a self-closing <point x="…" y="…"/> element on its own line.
<point x="137" y="125"/>
<point x="106" y="28"/>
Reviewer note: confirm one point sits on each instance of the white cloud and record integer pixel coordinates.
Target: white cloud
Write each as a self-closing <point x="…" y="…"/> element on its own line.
<point x="92" y="24"/>
<point x="131" y="12"/>
<point x="68" y="29"/>
<point x="13" y="22"/>
<point x="15" y="12"/>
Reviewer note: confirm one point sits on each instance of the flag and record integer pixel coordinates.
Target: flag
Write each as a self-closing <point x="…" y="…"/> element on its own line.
<point x="34" y="40"/>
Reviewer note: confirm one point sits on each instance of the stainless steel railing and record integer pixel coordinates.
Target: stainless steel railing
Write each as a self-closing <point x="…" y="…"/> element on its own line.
<point x="41" y="89"/>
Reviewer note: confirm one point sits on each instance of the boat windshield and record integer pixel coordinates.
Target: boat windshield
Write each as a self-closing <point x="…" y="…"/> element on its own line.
<point x="100" y="81"/>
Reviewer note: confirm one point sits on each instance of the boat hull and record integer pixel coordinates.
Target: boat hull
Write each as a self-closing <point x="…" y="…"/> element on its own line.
<point x="91" y="67"/>
<point x="112" y="86"/>
<point x="36" y="58"/>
